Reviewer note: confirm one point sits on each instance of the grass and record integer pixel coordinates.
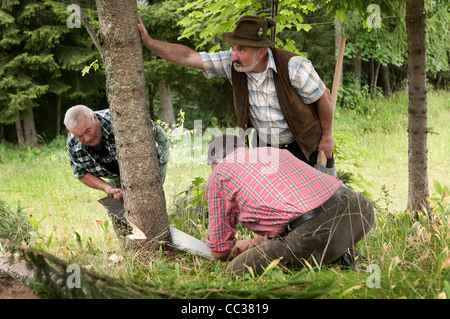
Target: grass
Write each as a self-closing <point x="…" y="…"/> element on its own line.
<point x="407" y="258"/>
<point x="381" y="144"/>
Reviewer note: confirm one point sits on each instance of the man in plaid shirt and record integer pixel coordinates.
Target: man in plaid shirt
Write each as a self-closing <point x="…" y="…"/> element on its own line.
<point x="252" y="54"/>
<point x="92" y="149"/>
<point x="296" y="211"/>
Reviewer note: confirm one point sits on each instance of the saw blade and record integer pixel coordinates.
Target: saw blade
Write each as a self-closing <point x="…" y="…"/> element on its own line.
<point x="188" y="243"/>
<point x="179" y="239"/>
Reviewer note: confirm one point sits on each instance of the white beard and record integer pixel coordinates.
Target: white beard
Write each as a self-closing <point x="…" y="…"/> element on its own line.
<point x="250" y="68"/>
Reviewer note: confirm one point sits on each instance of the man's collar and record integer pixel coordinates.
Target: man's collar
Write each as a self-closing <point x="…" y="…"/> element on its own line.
<point x="271" y="61"/>
<point x="106" y="125"/>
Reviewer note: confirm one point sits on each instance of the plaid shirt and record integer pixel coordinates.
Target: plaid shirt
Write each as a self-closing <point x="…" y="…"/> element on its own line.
<point x="265" y="112"/>
<point x="263" y="188"/>
<point x="81" y="156"/>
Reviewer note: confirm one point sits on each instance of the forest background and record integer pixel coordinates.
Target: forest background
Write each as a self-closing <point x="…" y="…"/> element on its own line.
<point x="44" y="51"/>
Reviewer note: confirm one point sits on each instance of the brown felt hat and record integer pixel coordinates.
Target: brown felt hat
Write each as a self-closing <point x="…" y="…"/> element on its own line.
<point x="250" y="31"/>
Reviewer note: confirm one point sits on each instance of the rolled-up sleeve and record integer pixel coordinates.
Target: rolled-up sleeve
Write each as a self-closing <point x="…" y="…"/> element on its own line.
<point x="77" y="165"/>
<point x="305" y="79"/>
<point x="216" y="64"/>
<point x="222" y="220"/>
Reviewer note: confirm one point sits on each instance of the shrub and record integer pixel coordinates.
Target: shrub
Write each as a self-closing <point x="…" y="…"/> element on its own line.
<point x="14" y="225"/>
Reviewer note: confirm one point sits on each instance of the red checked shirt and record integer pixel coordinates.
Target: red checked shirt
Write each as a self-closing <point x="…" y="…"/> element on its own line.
<point x="263" y="188"/>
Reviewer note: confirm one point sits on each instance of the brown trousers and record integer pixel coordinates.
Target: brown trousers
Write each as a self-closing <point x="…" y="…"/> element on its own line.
<point x="325" y="237"/>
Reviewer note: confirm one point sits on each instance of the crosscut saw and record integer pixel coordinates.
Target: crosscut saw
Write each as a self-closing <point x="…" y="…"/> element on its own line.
<point x="179" y="240"/>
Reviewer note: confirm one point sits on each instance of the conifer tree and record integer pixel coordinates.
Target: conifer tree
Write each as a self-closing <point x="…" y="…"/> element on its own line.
<point x="40" y="55"/>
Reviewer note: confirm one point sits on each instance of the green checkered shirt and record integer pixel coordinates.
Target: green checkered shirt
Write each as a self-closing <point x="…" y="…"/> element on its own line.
<point x="81" y="156"/>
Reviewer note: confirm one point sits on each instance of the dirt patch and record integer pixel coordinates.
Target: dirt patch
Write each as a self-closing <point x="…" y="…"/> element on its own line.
<point x="11" y="272"/>
<point x="15" y="290"/>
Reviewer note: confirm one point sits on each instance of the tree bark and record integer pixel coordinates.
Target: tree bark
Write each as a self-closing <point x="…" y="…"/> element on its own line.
<point x="385" y="81"/>
<point x="29" y="128"/>
<point x="357" y="67"/>
<point x="19" y="130"/>
<point x="417" y="109"/>
<point x="144" y="199"/>
<point x="2" y="134"/>
<point x="151" y="97"/>
<point x="58" y="115"/>
<point x="373" y="86"/>
<point x="165" y="97"/>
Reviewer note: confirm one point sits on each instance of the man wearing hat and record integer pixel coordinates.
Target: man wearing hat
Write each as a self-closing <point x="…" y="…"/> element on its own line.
<point x="276" y="92"/>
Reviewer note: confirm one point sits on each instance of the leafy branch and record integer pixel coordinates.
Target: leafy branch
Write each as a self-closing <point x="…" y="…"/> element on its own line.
<point x="222" y="17"/>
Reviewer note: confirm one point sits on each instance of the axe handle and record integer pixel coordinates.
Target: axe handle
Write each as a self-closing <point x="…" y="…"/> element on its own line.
<point x="338" y="71"/>
<point x="321" y="159"/>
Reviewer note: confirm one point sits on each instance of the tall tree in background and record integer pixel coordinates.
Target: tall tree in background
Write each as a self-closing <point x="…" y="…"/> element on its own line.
<point x="417" y="110"/>
<point x="41" y="57"/>
<point x="24" y="61"/>
<point x="162" y="21"/>
<point x="126" y="91"/>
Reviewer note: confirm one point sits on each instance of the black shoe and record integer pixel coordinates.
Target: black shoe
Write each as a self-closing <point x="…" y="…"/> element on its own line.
<point x="349" y="257"/>
<point x="345" y="260"/>
<point x="357" y="256"/>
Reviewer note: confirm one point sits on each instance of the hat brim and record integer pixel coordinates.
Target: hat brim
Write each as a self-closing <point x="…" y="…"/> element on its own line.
<point x="230" y="38"/>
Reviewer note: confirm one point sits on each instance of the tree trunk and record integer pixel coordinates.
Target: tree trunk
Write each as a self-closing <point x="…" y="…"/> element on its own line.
<point x="165" y="97"/>
<point x="19" y="130"/>
<point x="375" y="79"/>
<point x="2" y="134"/>
<point x="357" y="67"/>
<point x="29" y="128"/>
<point x="371" y="75"/>
<point x="151" y="98"/>
<point x="417" y="109"/>
<point x="144" y="200"/>
<point x="385" y="81"/>
<point x="58" y="115"/>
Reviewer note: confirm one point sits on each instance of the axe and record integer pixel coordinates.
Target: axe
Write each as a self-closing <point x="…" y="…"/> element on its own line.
<point x="321" y="157"/>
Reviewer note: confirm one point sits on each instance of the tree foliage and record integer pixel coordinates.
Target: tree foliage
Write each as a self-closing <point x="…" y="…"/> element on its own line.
<point x="41" y="56"/>
<point x="222" y="17"/>
<point x="437" y="36"/>
<point x="191" y="91"/>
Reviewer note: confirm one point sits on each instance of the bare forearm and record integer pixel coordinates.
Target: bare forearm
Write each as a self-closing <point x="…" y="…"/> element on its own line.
<point x="97" y="183"/>
<point x="93" y="182"/>
<point x="239" y="248"/>
<point x="175" y="53"/>
<point x="325" y="111"/>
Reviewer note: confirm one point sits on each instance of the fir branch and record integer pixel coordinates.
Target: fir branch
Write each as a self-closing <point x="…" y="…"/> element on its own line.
<point x="51" y="274"/>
